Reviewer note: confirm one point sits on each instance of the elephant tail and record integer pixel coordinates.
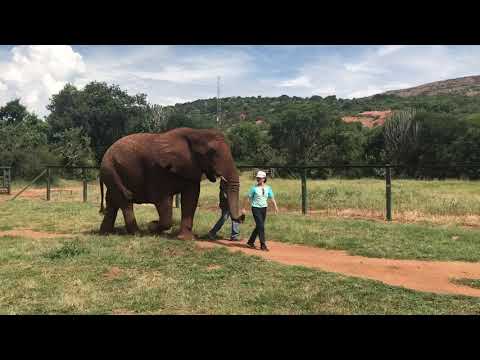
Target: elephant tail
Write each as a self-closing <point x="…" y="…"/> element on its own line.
<point x="102" y="209"/>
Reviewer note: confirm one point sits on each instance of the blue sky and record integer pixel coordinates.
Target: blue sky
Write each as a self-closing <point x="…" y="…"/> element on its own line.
<point x="171" y="74"/>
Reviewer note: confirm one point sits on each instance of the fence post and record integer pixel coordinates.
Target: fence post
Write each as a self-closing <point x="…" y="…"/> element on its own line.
<point x="304" y="191"/>
<point x="84" y="178"/>
<point x="9" y="180"/>
<point x="177" y="200"/>
<point x="388" y="183"/>
<point x="48" y="184"/>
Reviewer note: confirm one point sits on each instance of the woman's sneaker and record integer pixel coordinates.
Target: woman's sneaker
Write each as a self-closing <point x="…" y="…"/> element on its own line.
<point x="264" y="248"/>
<point x="250" y="245"/>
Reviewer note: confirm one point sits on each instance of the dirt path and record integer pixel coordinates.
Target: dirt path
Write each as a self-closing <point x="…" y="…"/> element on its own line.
<point x="427" y="276"/>
<point x="31" y="234"/>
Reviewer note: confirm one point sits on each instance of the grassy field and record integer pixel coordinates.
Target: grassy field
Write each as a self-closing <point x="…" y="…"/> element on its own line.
<point x="86" y="273"/>
<point x="450" y="201"/>
<point x="89" y="274"/>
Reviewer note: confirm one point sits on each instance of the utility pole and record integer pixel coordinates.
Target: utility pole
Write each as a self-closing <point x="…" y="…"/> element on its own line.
<point x="218" y="100"/>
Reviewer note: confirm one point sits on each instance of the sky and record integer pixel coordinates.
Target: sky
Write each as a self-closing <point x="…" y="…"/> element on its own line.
<point x="177" y="74"/>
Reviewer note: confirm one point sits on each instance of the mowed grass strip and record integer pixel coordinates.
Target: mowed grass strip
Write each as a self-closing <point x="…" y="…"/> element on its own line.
<point x="358" y="237"/>
<point x="155" y="275"/>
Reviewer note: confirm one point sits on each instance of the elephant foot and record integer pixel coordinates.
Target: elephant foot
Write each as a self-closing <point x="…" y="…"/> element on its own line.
<point x="186" y="236"/>
<point x="156" y="227"/>
<point x="133" y="230"/>
<point x="105" y="230"/>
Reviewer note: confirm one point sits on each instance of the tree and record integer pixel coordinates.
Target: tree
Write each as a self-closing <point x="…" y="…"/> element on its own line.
<point x="105" y="113"/>
<point x="246" y="140"/>
<point x="401" y="135"/>
<point x="13" y="112"/>
<point x="74" y="148"/>
<point x="299" y="136"/>
<point x="23" y="142"/>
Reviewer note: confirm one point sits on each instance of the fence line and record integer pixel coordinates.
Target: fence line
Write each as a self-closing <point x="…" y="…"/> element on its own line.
<point x="303" y="176"/>
<point x="5" y="177"/>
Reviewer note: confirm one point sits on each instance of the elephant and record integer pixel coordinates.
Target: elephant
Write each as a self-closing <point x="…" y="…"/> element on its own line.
<point x="153" y="167"/>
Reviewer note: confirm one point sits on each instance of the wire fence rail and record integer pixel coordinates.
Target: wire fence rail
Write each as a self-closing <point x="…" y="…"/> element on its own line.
<point x="301" y="172"/>
<point x="5" y="180"/>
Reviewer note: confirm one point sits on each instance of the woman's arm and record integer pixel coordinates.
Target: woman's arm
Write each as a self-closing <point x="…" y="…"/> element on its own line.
<point x="246" y="200"/>
<point x="275" y="205"/>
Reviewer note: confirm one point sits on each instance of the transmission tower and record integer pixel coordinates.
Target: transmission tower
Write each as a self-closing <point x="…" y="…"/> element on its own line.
<point x="218" y="100"/>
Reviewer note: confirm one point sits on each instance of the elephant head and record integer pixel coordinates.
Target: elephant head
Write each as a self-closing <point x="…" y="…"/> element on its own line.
<point x="208" y="153"/>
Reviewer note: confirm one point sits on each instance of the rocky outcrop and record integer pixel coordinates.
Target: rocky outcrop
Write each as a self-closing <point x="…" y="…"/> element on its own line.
<point x="467" y="86"/>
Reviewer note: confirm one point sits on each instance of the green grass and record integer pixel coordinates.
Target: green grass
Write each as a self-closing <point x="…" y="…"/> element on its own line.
<point x="364" y="237"/>
<point x="87" y="273"/>
<point x="161" y="276"/>
<point x="358" y="237"/>
<point x="468" y="282"/>
<point x="423" y="198"/>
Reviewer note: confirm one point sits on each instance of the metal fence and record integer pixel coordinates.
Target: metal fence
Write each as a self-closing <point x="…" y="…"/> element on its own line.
<point x="301" y="171"/>
<point x="5" y="179"/>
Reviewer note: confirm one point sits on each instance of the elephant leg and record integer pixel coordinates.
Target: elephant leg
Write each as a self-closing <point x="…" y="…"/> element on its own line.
<point x="130" y="221"/>
<point x="108" y="222"/>
<point x="189" y="201"/>
<point x="110" y="214"/>
<point x="164" y="209"/>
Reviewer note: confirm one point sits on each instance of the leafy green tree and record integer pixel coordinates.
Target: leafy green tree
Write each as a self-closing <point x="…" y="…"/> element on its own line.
<point x="245" y="140"/>
<point x="104" y="112"/>
<point x="74" y="148"/>
<point x="299" y="136"/>
<point x="13" y="112"/>
<point x="23" y="144"/>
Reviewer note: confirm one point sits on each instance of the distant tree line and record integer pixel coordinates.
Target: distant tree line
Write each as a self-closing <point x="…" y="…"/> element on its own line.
<point x="83" y="123"/>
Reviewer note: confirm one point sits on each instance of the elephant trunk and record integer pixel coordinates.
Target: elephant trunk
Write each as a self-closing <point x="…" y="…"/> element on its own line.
<point x="233" y="189"/>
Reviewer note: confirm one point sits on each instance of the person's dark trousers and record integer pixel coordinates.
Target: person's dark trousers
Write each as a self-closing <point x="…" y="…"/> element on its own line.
<point x="259" y="214"/>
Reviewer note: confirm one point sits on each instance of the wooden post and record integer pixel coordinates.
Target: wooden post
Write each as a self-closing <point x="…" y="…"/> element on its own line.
<point x="177" y="200"/>
<point x="304" y="191"/>
<point x="9" y="180"/>
<point x="388" y="183"/>
<point x="84" y="178"/>
<point x="48" y="184"/>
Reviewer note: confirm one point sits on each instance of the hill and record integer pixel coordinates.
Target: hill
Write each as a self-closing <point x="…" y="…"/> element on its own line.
<point x="466" y="86"/>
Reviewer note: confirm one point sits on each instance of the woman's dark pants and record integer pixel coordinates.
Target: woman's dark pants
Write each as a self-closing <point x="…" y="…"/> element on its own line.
<point x="259" y="214"/>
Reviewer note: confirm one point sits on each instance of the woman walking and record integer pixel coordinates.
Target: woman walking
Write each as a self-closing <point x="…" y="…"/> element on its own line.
<point x="258" y="196"/>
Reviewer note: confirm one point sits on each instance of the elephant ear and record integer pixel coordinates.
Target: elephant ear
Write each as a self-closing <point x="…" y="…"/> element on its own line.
<point x="176" y="158"/>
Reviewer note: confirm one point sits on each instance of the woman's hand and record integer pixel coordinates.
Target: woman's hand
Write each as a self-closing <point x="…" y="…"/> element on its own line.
<point x="243" y="211"/>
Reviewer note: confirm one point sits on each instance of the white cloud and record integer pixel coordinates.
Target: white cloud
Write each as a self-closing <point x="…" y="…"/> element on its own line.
<point x="389" y="49"/>
<point x="301" y="81"/>
<point x="390" y="67"/>
<point x="176" y="74"/>
<point x="170" y="75"/>
<point x="325" y="91"/>
<point x="34" y="73"/>
<point x="196" y="69"/>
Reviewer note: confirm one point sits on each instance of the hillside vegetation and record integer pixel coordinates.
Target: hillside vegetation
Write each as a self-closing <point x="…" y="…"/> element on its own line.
<point x="413" y="131"/>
